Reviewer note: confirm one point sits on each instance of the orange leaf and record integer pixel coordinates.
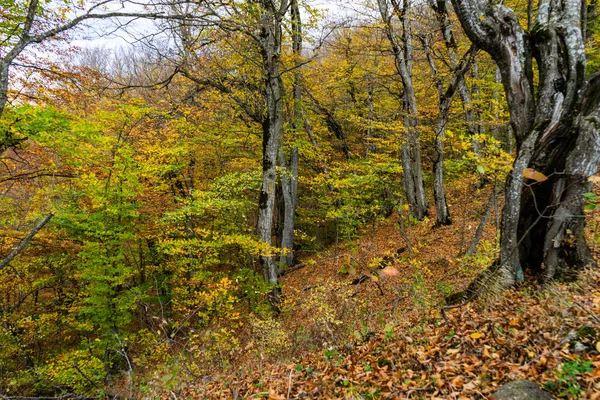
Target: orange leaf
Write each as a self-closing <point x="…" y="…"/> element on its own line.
<point x="274" y="396"/>
<point x="389" y="271"/>
<point x="531" y="173"/>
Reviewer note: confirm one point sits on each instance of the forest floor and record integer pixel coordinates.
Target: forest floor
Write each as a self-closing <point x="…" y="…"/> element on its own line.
<point x="363" y="320"/>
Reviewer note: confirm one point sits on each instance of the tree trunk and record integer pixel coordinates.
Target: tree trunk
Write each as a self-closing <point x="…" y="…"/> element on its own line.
<point x="271" y="39"/>
<point x="411" y="150"/>
<point x="289" y="176"/>
<point x="555" y="125"/>
<point x="444" y="103"/>
<point x="3" y="85"/>
<point x="289" y="179"/>
<point x="441" y="13"/>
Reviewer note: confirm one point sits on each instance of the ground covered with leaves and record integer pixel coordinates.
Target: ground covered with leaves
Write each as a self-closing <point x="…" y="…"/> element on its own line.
<point x="550" y="336"/>
<point x="365" y="320"/>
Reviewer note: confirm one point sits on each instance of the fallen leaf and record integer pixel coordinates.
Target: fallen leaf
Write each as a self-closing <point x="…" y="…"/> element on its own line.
<point x="389" y="271"/>
<point x="274" y="396"/>
<point x="475" y="335"/>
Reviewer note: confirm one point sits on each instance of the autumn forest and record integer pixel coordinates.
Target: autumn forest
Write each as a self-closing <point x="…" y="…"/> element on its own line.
<point x="373" y="199"/>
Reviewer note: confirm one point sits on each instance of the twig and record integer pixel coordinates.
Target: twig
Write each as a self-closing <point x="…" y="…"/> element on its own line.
<point x="292" y="269"/>
<point x="25" y="241"/>
<point x="594" y="316"/>
<point x="290" y="384"/>
<point x="409" y="391"/>
<point x="464" y="303"/>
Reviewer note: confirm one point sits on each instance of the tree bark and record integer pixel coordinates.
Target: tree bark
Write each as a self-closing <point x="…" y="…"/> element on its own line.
<point x="445" y="99"/>
<point x="411" y="151"/>
<point x="289" y="176"/>
<point x="3" y="85"/>
<point x="555" y="128"/>
<point x="270" y="44"/>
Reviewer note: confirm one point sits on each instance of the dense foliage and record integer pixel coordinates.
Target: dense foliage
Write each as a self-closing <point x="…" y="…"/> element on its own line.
<point x="151" y="162"/>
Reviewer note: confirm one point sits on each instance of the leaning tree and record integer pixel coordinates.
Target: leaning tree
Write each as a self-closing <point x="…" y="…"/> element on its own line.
<point x="555" y="116"/>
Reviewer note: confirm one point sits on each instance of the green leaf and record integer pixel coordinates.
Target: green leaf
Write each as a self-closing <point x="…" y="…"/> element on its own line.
<point x="591" y="196"/>
<point x="590" y="207"/>
<point x="481" y="169"/>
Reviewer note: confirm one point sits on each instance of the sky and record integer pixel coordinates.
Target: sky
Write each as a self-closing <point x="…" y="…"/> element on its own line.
<point x="96" y="34"/>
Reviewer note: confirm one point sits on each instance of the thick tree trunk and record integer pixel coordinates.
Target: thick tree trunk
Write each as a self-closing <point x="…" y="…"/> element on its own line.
<point x="411" y="150"/>
<point x="556" y="131"/>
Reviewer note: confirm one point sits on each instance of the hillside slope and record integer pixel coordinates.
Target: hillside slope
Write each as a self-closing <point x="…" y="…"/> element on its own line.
<point x="364" y="320"/>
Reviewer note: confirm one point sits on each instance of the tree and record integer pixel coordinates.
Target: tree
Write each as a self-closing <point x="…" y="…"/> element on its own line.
<point x="289" y="175"/>
<point x="402" y="49"/>
<point x="27" y="23"/>
<point x="445" y="98"/>
<point x="555" y="123"/>
<point x="258" y="30"/>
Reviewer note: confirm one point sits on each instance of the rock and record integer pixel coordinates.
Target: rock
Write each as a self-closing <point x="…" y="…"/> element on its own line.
<point x="521" y="390"/>
<point x="582" y="339"/>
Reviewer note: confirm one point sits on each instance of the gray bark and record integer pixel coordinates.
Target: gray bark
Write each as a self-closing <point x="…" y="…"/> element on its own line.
<point x="411" y="151"/>
<point x="270" y="45"/>
<point x="3" y="85"/>
<point x="555" y="129"/>
<point x="25" y="241"/>
<point x="480" y="228"/>
<point x="444" y="103"/>
<point x="445" y="99"/>
<point x="289" y="176"/>
<point x="441" y="13"/>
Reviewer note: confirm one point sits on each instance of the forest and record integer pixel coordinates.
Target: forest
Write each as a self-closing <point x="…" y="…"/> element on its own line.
<point x="288" y="199"/>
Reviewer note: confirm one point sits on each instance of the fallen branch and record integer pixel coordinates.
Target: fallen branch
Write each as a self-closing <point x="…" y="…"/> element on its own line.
<point x="292" y="269"/>
<point x="25" y="241"/>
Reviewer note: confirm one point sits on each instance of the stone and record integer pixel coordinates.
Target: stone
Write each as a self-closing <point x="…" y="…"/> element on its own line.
<point x="521" y="390"/>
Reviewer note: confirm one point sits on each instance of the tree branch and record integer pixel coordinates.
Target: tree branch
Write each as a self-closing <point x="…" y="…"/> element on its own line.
<point x="25" y="241"/>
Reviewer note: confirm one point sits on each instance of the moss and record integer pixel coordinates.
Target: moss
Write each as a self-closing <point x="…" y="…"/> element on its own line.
<point x="586" y="333"/>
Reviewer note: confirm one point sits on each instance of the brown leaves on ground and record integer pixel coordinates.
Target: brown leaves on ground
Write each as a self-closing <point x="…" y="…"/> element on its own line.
<point x="368" y="284"/>
<point x="522" y="336"/>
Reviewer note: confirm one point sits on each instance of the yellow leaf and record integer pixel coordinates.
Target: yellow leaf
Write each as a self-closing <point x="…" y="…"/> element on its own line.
<point x="475" y="335"/>
<point x="595" y="179"/>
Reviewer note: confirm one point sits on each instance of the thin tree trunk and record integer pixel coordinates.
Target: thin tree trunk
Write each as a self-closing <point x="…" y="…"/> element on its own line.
<point x="480" y="228"/>
<point x="271" y="40"/>
<point x="287" y="233"/>
<point x="289" y="177"/>
<point x="411" y="150"/>
<point x="25" y="241"/>
<point x="3" y="85"/>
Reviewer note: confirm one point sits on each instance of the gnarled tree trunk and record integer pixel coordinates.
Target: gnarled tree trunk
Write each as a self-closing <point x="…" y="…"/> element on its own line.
<point x="556" y="129"/>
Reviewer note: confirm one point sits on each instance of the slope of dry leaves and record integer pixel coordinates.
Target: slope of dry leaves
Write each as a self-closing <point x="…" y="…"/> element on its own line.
<point x="524" y="335"/>
<point x="401" y="347"/>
